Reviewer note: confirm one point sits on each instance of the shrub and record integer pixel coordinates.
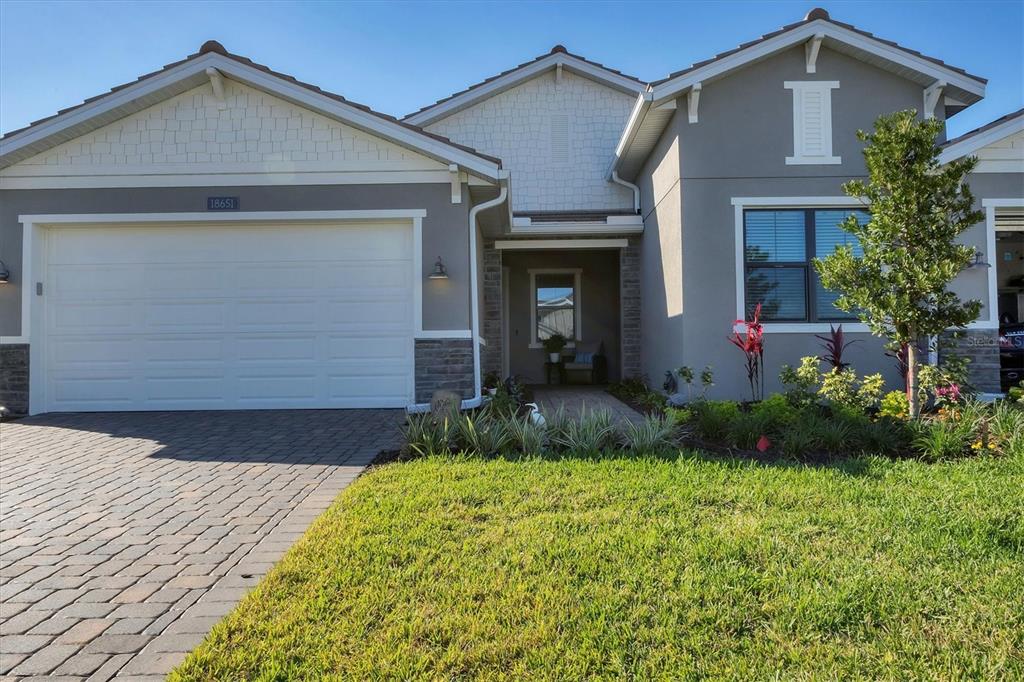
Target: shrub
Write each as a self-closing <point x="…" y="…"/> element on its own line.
<point x="746" y="429"/>
<point x="679" y="415"/>
<point x="799" y="440"/>
<point x="712" y="418"/>
<point x="801" y="382"/>
<point x="525" y="436"/>
<point x="592" y="432"/>
<point x="883" y="437"/>
<point x="840" y="387"/>
<point x="836" y="436"/>
<point x="1006" y="428"/>
<point x="478" y="433"/>
<point x="895" y="405"/>
<point x="653" y="434"/>
<point x="937" y="439"/>
<point x="777" y="410"/>
<point x="427" y="434"/>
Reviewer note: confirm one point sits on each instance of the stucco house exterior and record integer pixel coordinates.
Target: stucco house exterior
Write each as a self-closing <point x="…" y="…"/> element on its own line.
<point x="218" y="235"/>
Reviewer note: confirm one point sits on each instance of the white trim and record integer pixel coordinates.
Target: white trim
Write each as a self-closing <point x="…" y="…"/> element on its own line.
<point x="456" y="180"/>
<point x="932" y="95"/>
<point x="577" y="303"/>
<point x="226" y="217"/>
<point x="742" y="203"/>
<point x="227" y="180"/>
<point x="628" y="224"/>
<point x="493" y="87"/>
<point x="34" y="235"/>
<point x="813" y="327"/>
<point x="956" y="150"/>
<point x="417" y="278"/>
<point x="303" y="96"/>
<point x="1003" y="203"/>
<point x="811" y="49"/>
<point x="524" y="244"/>
<point x="505" y="321"/>
<point x="693" y="103"/>
<point x="796" y="202"/>
<point x="823" y="89"/>
<point x="444" y="334"/>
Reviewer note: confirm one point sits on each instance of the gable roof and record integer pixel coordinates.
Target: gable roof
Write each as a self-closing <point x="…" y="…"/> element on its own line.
<point x="647" y="121"/>
<point x="195" y="70"/>
<point x="973" y="140"/>
<point x="558" y="56"/>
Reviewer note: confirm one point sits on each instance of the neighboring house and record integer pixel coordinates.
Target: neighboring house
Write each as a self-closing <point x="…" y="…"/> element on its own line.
<point x="217" y="235"/>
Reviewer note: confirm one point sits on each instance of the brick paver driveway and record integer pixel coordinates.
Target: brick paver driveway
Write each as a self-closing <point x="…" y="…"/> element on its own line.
<point x="125" y="537"/>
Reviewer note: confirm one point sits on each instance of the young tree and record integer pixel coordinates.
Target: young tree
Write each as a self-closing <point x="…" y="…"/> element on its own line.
<point x="911" y="253"/>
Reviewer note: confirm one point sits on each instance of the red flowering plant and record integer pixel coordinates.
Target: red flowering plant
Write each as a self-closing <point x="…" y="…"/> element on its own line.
<point x="751" y="342"/>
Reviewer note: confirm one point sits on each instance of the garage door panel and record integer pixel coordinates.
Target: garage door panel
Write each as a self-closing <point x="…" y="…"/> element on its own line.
<point x="276" y="348"/>
<point x="360" y="348"/>
<point x="230" y="317"/>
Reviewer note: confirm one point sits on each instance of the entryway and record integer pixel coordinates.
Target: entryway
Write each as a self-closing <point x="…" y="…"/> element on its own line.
<point x="1009" y="270"/>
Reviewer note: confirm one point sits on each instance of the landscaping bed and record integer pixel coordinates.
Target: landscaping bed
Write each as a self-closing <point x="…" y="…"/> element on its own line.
<point x="618" y="566"/>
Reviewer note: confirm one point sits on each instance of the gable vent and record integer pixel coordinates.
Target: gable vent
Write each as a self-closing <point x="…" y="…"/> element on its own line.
<point x="560" y="138"/>
<point x="812" y="122"/>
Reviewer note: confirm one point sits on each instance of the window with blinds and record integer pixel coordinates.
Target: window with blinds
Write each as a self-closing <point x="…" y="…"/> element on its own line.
<point x="777" y="252"/>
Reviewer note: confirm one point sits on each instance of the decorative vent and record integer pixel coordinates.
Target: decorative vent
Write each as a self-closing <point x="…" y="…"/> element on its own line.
<point x="560" y="138"/>
<point x="812" y="122"/>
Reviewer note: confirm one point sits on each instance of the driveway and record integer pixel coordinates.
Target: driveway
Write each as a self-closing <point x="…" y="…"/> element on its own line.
<point x="125" y="537"/>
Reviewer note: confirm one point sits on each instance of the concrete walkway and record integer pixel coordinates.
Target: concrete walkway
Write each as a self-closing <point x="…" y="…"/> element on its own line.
<point x="125" y="537"/>
<point x="579" y="399"/>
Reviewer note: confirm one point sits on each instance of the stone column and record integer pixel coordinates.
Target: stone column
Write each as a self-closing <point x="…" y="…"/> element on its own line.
<point x="629" y="302"/>
<point x="14" y="378"/>
<point x="490" y="324"/>
<point x="981" y="347"/>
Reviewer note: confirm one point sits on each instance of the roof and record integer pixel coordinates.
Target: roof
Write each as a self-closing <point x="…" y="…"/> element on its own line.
<point x="649" y="118"/>
<point x="816" y="14"/>
<point x="191" y="71"/>
<point x="489" y="87"/>
<point x="973" y="140"/>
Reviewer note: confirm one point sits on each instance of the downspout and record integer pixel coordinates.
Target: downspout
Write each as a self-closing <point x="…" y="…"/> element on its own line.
<point x="475" y="313"/>
<point x="636" y="190"/>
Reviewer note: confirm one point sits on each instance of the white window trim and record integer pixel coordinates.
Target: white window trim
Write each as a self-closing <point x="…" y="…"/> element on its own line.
<point x="33" y="261"/>
<point x="742" y="203"/>
<point x="577" y="302"/>
<point x="990" y="206"/>
<point x="800" y="158"/>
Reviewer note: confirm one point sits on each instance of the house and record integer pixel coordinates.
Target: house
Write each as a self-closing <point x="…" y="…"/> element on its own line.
<point x="219" y="235"/>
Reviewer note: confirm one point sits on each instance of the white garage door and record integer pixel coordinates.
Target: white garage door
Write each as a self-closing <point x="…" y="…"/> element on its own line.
<point x="213" y="317"/>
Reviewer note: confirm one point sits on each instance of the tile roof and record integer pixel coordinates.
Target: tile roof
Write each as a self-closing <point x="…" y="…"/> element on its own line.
<point x="988" y="126"/>
<point x="215" y="47"/>
<point x="557" y="49"/>
<point x="815" y="14"/>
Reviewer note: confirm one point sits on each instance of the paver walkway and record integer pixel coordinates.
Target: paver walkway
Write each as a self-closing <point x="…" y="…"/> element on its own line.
<point x="125" y="537"/>
<point x="579" y="399"/>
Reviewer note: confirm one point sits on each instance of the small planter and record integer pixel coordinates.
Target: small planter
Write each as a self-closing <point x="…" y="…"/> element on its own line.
<point x="554" y="357"/>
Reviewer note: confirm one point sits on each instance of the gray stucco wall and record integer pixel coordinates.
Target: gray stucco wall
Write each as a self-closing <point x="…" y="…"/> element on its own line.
<point x="600" y="311"/>
<point x="445" y="232"/>
<point x="974" y="283"/>
<point x="738" y="149"/>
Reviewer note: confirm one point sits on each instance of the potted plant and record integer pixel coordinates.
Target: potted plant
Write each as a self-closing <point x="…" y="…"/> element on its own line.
<point x="554" y="345"/>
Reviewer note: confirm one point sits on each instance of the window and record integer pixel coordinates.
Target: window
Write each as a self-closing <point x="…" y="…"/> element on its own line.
<point x="555" y="304"/>
<point x="812" y="122"/>
<point x="778" y="248"/>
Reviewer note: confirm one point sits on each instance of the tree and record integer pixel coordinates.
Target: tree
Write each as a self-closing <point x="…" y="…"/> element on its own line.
<point x="899" y="287"/>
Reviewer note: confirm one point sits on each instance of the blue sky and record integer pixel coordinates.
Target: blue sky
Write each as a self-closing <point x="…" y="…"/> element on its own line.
<point x="396" y="57"/>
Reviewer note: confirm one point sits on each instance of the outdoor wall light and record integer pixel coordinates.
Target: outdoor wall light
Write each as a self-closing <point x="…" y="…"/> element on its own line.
<point x="979" y="260"/>
<point x="5" y="274"/>
<point x="440" y="271"/>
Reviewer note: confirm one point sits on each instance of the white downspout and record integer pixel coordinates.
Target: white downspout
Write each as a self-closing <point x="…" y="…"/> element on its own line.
<point x="475" y="313"/>
<point x="636" y="190"/>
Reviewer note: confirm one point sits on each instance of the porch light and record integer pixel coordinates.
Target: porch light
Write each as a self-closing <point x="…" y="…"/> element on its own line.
<point x="979" y="260"/>
<point x="440" y="271"/>
<point x="5" y="274"/>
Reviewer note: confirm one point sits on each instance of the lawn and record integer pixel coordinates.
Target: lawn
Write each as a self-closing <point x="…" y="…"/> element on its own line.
<point x="622" y="567"/>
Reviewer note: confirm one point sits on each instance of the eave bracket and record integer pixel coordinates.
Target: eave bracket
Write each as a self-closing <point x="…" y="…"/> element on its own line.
<point x="932" y="95"/>
<point x="456" y="178"/>
<point x="811" y="48"/>
<point x="693" y="102"/>
<point x="217" y="81"/>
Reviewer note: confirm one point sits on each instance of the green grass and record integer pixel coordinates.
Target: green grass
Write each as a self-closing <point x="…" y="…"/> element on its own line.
<point x="639" y="568"/>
